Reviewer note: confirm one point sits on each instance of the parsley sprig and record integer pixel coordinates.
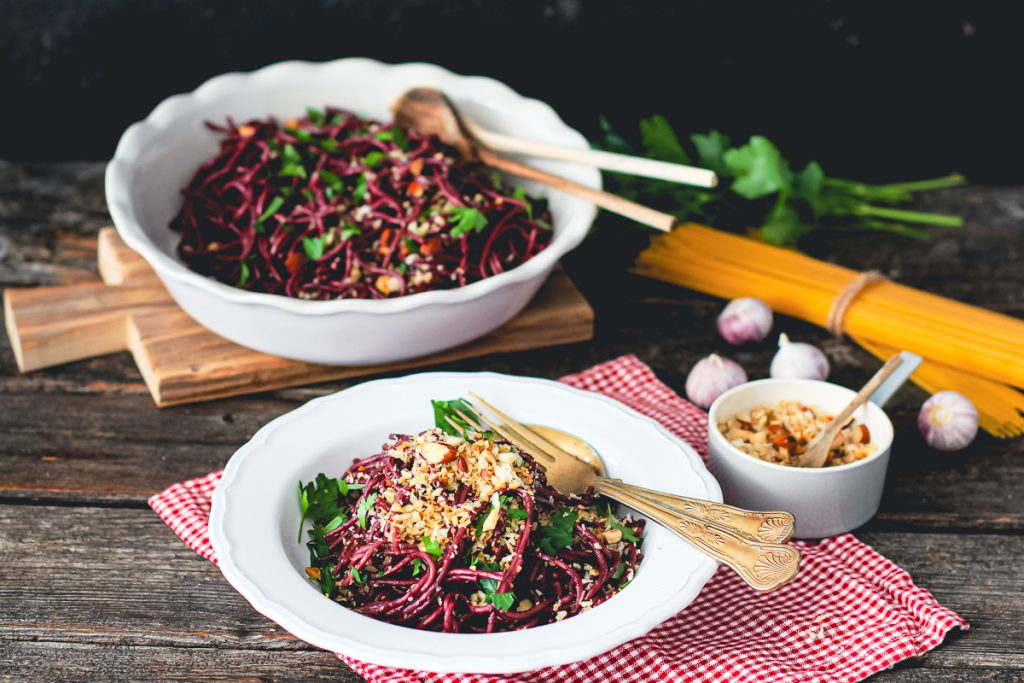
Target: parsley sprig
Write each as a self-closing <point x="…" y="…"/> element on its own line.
<point x="551" y="538"/>
<point x="759" y="187"/>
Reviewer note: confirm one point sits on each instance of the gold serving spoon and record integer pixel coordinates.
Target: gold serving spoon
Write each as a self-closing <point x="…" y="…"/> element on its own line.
<point x="763" y="565"/>
<point x="429" y="112"/>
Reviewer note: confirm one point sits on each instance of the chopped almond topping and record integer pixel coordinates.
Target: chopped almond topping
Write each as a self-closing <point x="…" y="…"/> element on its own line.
<point x="246" y="131"/>
<point x="416" y="167"/>
<point x="612" y="535"/>
<point x="313" y="572"/>
<point x="436" y="452"/>
<point x="387" y="284"/>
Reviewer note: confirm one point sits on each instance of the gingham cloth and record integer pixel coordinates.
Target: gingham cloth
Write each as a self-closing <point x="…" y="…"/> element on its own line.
<point x="849" y="613"/>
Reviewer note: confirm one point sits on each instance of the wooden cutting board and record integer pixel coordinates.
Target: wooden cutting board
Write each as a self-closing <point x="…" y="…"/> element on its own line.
<point x="183" y="362"/>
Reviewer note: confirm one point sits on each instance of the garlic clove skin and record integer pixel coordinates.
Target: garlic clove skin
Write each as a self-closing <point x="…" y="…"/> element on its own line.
<point x="745" y="320"/>
<point x="948" y="421"/>
<point x="796" y="360"/>
<point x="711" y="377"/>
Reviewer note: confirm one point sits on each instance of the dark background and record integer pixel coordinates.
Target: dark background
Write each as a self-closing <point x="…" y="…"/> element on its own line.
<point x="878" y="91"/>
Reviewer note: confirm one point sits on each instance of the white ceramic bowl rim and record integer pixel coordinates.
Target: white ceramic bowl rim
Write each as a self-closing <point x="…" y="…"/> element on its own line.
<point x="415" y="656"/>
<point x="139" y="135"/>
<point x="797" y="471"/>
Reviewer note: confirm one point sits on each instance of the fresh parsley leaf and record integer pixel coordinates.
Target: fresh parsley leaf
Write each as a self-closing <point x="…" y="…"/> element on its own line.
<point x="303" y="507"/>
<point x="758" y="167"/>
<point x="332" y="180"/>
<point x="350" y="231"/>
<point x="411" y="245"/>
<point x="399" y="138"/>
<point x="329" y="145"/>
<point x="292" y="171"/>
<point x="300" y="134"/>
<point x="516" y="513"/>
<point x="364" y="506"/>
<point x="340" y="519"/>
<point x="612" y="140"/>
<point x="431" y="547"/>
<point x="374" y="158"/>
<point x="314" y="247"/>
<point x="627" y="533"/>
<point x="359" y="192"/>
<point x="444" y="415"/>
<point x="337" y="119"/>
<point x="290" y="154"/>
<point x="308" y="194"/>
<point x="783" y="226"/>
<point x="327" y="581"/>
<point x="661" y="142"/>
<point x="384" y="136"/>
<point x="711" y="150"/>
<point x="317" y="543"/>
<point x="357" y="576"/>
<point x="552" y="538"/>
<point x="417" y="566"/>
<point x="271" y="209"/>
<point x="502" y="601"/>
<point x="466" y="219"/>
<point x="619" y="571"/>
<point x="520" y="194"/>
<point x="315" y="116"/>
<point x="243" y="274"/>
<point x="403" y="268"/>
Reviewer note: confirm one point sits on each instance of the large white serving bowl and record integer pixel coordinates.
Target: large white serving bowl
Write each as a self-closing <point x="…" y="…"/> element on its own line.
<point x="256" y="514"/>
<point x="156" y="158"/>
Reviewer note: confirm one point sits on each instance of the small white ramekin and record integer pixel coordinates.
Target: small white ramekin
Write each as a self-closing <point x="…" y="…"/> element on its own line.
<point x="825" y="501"/>
<point x="156" y="157"/>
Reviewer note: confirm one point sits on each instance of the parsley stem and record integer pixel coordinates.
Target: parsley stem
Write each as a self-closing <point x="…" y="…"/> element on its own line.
<point x="951" y="180"/>
<point x="911" y="216"/>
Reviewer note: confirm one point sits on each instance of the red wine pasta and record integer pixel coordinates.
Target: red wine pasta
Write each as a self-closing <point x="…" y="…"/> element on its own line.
<point x="462" y="535"/>
<point x="336" y="206"/>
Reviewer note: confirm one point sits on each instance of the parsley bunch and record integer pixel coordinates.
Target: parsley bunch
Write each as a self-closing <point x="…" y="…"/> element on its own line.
<point x="758" y="188"/>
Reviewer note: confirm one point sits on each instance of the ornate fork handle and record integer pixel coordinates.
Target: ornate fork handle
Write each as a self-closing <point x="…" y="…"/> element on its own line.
<point x="764" y="566"/>
<point x="770" y="527"/>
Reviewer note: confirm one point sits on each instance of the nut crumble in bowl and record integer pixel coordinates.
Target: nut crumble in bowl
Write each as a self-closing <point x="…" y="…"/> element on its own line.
<point x="780" y="434"/>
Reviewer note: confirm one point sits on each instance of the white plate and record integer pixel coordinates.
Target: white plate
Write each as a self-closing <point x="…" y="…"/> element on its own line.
<point x="255" y="518"/>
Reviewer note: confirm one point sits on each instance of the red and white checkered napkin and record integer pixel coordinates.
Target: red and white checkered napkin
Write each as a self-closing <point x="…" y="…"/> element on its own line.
<point x="849" y="613"/>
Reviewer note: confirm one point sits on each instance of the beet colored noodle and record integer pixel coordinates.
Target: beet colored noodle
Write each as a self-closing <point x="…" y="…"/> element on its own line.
<point x="509" y="552"/>
<point x="337" y="206"/>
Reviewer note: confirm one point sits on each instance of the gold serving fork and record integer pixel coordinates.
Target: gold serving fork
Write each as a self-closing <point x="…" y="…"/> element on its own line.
<point x="730" y="535"/>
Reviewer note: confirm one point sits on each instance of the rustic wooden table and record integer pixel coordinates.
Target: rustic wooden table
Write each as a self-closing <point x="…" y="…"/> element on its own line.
<point x="94" y="587"/>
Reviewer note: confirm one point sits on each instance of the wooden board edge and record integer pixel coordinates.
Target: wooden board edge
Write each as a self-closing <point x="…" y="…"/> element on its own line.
<point x="11" y="323"/>
<point x="164" y="395"/>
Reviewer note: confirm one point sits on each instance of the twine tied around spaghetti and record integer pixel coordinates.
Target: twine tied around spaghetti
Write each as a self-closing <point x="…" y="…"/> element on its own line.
<point x="837" y="311"/>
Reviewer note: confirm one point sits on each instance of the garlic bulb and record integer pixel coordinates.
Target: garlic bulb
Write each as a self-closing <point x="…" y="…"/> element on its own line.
<point x="711" y="377"/>
<point x="796" y="360"/>
<point x="948" y="421"/>
<point x="745" y="320"/>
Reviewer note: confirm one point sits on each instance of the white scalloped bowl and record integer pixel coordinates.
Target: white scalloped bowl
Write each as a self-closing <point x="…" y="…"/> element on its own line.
<point x="155" y="159"/>
<point x="255" y="516"/>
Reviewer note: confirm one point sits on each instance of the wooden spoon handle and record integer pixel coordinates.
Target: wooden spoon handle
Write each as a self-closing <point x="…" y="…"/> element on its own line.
<point x="812" y="456"/>
<point x="638" y="212"/>
<point x="764" y="566"/>
<point x="621" y="163"/>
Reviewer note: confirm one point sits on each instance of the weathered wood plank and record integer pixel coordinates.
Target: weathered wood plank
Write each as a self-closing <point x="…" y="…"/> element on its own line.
<point x="44" y="662"/>
<point x="119" y="577"/>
